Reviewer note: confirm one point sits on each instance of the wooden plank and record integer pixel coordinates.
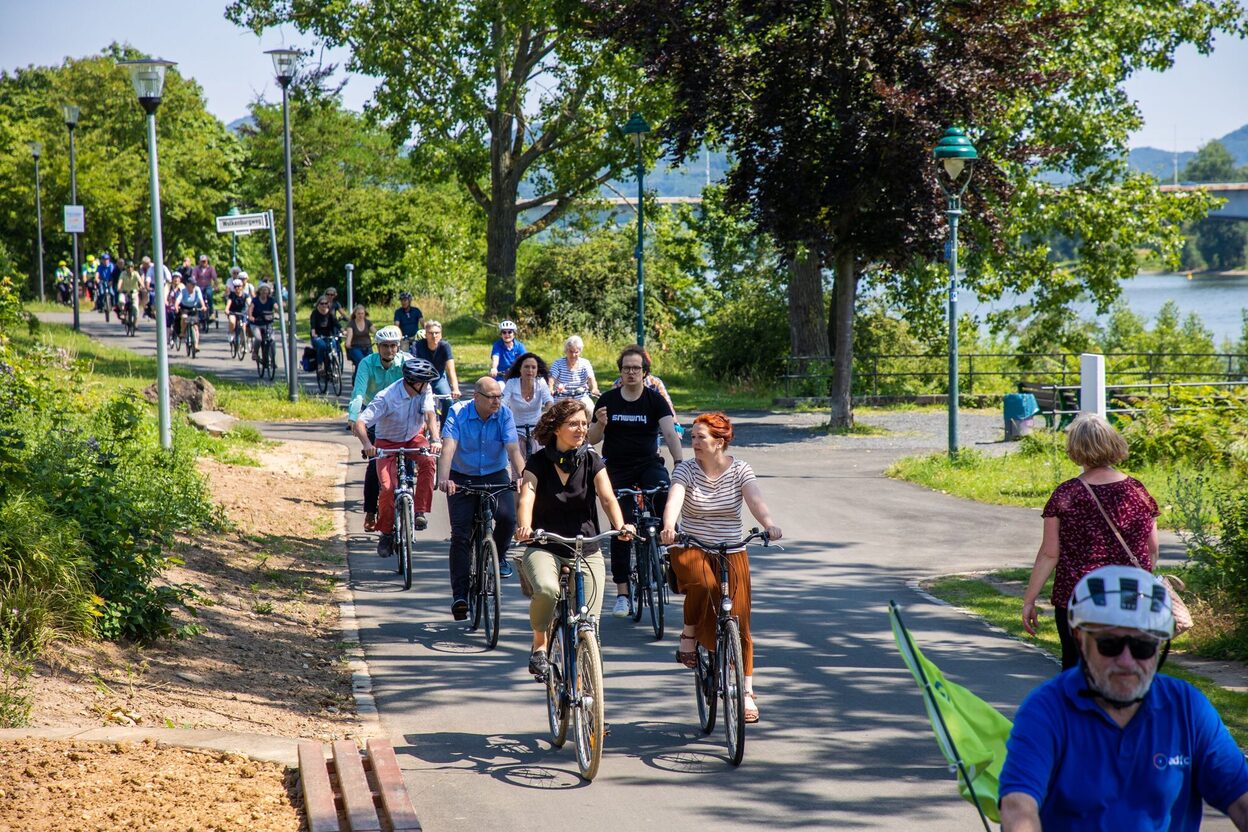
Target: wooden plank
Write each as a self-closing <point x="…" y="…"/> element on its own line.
<point x="318" y="795"/>
<point x="395" y="802"/>
<point x="353" y="786"/>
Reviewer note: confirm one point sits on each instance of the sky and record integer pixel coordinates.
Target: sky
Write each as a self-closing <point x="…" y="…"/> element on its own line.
<point x="1197" y="100"/>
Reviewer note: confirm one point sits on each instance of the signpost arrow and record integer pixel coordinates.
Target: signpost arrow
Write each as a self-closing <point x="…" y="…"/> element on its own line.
<point x="242" y="223"/>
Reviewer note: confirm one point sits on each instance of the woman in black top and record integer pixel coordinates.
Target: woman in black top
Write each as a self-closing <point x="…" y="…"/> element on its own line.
<point x="560" y="484"/>
<point x="324" y="327"/>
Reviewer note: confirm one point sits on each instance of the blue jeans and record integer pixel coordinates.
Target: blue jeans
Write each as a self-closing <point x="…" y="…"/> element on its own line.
<point x="321" y="344"/>
<point x="356" y="354"/>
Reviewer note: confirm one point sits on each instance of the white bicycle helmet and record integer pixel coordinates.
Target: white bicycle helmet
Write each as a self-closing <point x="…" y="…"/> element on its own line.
<point x="507" y="325"/>
<point x="1122" y="596"/>
<point x="388" y="335"/>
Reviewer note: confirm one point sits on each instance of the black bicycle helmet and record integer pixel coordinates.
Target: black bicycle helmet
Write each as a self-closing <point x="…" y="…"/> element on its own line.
<point x="418" y="369"/>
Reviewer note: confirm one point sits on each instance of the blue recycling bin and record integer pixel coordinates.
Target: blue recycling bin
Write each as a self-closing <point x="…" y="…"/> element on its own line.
<point x="1019" y="410"/>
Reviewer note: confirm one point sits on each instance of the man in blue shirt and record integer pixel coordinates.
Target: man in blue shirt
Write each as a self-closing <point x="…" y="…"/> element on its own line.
<point x="105" y="275"/>
<point x="478" y="440"/>
<point x="407" y="318"/>
<point x="1109" y="745"/>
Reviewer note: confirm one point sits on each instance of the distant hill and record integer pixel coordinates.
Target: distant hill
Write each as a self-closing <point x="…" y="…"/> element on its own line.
<point x="1160" y="163"/>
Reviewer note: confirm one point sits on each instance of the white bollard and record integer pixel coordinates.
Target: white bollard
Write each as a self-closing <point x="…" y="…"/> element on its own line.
<point x="1092" y="383"/>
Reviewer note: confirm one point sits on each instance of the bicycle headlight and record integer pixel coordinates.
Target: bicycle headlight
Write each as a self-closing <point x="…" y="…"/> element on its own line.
<point x="726" y="604"/>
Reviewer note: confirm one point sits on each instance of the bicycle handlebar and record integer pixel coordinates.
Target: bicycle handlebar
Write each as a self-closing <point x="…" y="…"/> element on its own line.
<point x="755" y="534"/>
<point x="633" y="492"/>
<point x="406" y="452"/>
<point x="543" y="536"/>
<point x="485" y="489"/>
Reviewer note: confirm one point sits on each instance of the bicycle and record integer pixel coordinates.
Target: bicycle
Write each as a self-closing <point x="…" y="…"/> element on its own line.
<point x="329" y="371"/>
<point x="404" y="506"/>
<point x="574" y="689"/>
<point x="721" y="673"/>
<point x="483" y="578"/>
<point x="525" y="433"/>
<point x="646" y="584"/>
<point x="238" y="348"/>
<point x="190" y="326"/>
<point x="442" y="401"/>
<point x="106" y="299"/>
<point x="128" y="313"/>
<point x="266" y="358"/>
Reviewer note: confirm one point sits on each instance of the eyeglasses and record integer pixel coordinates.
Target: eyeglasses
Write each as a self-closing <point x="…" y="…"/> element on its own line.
<point x="322" y="306"/>
<point x="1141" y="648"/>
<point x="491" y="396"/>
<point x="632" y="369"/>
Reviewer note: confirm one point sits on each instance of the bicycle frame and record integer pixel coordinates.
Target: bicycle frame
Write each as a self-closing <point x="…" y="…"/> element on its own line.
<point x="404" y="499"/>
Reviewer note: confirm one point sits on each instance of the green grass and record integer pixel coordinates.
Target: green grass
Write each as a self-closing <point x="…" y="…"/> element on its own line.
<point x="107" y="368"/>
<point x="1003" y="610"/>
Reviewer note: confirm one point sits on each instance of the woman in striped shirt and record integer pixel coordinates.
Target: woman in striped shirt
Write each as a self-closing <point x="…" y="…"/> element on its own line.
<point x="706" y="496"/>
<point x="571" y="372"/>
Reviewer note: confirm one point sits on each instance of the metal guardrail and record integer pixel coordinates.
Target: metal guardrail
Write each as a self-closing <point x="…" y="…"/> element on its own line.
<point x="1116" y="392"/>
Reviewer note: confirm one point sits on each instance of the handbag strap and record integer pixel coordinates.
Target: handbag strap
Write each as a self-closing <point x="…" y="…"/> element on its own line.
<point x="1134" y="560"/>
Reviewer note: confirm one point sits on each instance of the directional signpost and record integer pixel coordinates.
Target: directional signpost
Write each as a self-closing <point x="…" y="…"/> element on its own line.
<point x="245" y="224"/>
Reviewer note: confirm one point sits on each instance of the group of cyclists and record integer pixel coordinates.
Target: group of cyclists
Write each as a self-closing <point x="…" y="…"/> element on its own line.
<point x="531" y="429"/>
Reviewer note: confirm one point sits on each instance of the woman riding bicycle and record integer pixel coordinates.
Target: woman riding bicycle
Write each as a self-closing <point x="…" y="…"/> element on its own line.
<point x="707" y="492"/>
<point x="191" y="304"/>
<point x="527" y="394"/>
<point x="235" y="307"/>
<point x="325" y="328"/>
<point x="261" y="314"/>
<point x="557" y="494"/>
<point x="571" y="372"/>
<point x="359" y="340"/>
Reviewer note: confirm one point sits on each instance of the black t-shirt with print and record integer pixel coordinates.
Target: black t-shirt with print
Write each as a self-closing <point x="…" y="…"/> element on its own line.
<point x="632" y="431"/>
<point x="569" y="508"/>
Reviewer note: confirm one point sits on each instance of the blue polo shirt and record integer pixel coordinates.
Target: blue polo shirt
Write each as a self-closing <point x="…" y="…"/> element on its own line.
<point x="506" y="357"/>
<point x="481" y="446"/>
<point x="1086" y="773"/>
<point x="408" y="320"/>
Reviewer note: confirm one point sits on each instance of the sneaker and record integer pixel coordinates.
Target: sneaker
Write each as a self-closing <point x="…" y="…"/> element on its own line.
<point x="621" y="608"/>
<point x="459" y="609"/>
<point x="504" y="569"/>
<point x="385" y="545"/>
<point x="422" y="522"/>
<point x="538" y="665"/>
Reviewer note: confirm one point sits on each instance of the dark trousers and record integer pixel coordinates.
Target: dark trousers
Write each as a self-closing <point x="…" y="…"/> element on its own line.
<point x="372" y="484"/>
<point x="462" y="508"/>
<point x="1070" y="650"/>
<point x="649" y="475"/>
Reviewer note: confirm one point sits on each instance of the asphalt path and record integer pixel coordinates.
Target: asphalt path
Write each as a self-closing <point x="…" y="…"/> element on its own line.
<point x="843" y="741"/>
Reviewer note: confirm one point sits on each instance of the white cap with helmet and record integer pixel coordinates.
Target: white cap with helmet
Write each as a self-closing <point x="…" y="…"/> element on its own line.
<point x="1122" y="596"/>
<point x="388" y="335"/>
<point x="507" y="325"/>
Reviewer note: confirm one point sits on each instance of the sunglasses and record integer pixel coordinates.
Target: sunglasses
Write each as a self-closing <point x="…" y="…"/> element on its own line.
<point x="1141" y="648"/>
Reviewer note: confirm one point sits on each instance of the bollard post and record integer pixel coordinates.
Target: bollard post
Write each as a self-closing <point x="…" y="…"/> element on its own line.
<point x="1092" y="383"/>
<point x="350" y="289"/>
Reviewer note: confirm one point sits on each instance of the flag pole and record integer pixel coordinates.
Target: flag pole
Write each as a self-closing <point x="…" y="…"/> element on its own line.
<point x="935" y="707"/>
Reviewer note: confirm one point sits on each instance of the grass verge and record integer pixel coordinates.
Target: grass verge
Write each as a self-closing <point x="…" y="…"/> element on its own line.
<point x="978" y="596"/>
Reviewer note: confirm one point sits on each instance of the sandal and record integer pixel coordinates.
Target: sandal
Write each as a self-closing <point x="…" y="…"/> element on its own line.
<point x="689" y="658"/>
<point x="751" y="706"/>
<point x="370" y="522"/>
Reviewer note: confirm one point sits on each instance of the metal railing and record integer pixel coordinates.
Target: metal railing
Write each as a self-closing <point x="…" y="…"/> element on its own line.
<point x="874" y="370"/>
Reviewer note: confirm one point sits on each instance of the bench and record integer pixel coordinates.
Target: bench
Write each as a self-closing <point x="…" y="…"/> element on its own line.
<point x="1051" y="399"/>
<point x="340" y="796"/>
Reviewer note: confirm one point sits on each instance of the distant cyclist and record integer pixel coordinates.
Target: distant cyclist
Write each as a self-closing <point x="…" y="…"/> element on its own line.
<point x="438" y="352"/>
<point x="335" y="306"/>
<point x="206" y="279"/>
<point x="359" y="340"/>
<point x="407" y="318"/>
<point x="191" y="305"/>
<point x="572" y="372"/>
<point x="402" y="416"/>
<point x="129" y="282"/>
<point x="260" y="315"/>
<point x="629" y="420"/>
<point x="236" y="301"/>
<point x="105" y="277"/>
<point x="64" y="282"/>
<point x="324" y="326"/>
<point x="505" y="350"/>
<point x="375" y="373"/>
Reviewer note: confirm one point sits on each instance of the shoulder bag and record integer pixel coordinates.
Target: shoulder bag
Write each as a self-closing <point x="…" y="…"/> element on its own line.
<point x="1182" y="615"/>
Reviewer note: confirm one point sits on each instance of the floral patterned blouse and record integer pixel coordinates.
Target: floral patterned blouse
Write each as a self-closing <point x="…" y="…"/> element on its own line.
<point x="1085" y="541"/>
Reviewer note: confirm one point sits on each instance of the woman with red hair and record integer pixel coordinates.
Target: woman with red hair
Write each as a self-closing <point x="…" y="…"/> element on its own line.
<point x="706" y="495"/>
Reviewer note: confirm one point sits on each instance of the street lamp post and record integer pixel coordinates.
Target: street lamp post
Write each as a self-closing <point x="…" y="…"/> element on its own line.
<point x="284" y="61"/>
<point x="233" y="212"/>
<point x="71" y="113"/>
<point x="957" y="157"/>
<point x="638" y="128"/>
<point x="148" y="77"/>
<point x="36" y="149"/>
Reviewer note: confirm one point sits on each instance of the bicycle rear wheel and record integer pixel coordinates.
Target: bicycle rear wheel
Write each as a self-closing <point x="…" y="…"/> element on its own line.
<point x="654" y="589"/>
<point x="336" y="372"/>
<point x="733" y="690"/>
<point x="489" y="591"/>
<point x="635" y="579"/>
<point x="589" y="719"/>
<point x="705" y="689"/>
<point x="556" y="707"/>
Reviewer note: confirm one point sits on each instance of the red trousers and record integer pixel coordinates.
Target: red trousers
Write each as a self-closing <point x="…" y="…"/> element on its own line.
<point x="387" y="476"/>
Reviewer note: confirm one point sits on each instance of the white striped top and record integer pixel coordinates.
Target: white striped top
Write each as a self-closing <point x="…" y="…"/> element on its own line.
<point x="712" y="508"/>
<point x="572" y="378"/>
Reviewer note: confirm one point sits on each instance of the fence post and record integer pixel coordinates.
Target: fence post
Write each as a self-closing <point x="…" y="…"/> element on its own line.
<point x="1092" y="383"/>
<point x="970" y="372"/>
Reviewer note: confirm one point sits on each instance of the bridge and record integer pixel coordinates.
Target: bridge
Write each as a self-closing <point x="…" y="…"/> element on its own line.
<point x="1235" y="194"/>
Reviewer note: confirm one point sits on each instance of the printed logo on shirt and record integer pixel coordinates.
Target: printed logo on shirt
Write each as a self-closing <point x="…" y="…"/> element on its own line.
<point x="628" y="417"/>
<point x="1161" y="761"/>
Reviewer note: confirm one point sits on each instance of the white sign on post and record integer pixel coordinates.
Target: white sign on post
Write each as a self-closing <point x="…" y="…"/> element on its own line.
<point x="242" y="223"/>
<point x="75" y="220"/>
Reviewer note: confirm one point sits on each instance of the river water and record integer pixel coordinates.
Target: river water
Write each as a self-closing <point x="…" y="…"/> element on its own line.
<point x="1219" y="300"/>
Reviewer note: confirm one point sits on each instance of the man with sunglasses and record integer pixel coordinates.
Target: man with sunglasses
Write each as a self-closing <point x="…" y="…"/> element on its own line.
<point x="1111" y="745"/>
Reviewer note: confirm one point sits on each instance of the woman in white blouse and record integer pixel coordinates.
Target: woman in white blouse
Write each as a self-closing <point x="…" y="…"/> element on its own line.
<point x="706" y="496"/>
<point x="527" y="394"/>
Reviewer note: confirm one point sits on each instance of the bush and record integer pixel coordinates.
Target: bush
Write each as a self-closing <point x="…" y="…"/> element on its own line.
<point x="746" y="336"/>
<point x="1205" y="426"/>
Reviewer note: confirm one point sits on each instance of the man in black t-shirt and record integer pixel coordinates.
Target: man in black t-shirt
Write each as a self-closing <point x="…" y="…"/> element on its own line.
<point x="628" y="419"/>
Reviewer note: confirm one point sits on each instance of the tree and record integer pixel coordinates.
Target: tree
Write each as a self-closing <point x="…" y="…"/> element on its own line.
<point x="1221" y="243"/>
<point x="1212" y="163"/>
<point x="499" y="94"/>
<point x="832" y="108"/>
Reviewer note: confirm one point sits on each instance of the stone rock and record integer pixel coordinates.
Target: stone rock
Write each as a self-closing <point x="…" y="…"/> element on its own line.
<point x="213" y="422"/>
<point x="197" y="394"/>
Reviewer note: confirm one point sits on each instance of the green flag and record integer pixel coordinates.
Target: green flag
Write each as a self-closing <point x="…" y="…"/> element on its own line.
<point x="971" y="733"/>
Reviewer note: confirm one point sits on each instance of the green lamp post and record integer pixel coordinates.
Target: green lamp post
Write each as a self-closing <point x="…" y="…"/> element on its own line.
<point x="233" y="212"/>
<point x="638" y="128"/>
<point x="956" y="156"/>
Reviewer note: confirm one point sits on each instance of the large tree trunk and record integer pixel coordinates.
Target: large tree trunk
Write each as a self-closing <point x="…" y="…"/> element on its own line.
<point x="500" y="259"/>
<point x="808" y="331"/>
<point x="844" y="297"/>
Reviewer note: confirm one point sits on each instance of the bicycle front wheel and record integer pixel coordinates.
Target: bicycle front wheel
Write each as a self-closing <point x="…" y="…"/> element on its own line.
<point x="704" y="688"/>
<point x="556" y="705"/>
<point x="654" y="588"/>
<point x="336" y="372"/>
<point x="270" y="359"/>
<point x="490" y="591"/>
<point x="322" y="375"/>
<point x="403" y="539"/>
<point x="589" y="720"/>
<point x="732" y="687"/>
<point x="636" y="579"/>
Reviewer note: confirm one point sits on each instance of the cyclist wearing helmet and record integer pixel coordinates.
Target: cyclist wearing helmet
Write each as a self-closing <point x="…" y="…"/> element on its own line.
<point x="505" y="350"/>
<point x="402" y="416"/>
<point x="235" y="305"/>
<point x="64" y="282"/>
<point x="1111" y="745"/>
<point x="260" y="316"/>
<point x="375" y="373"/>
<point x="407" y="318"/>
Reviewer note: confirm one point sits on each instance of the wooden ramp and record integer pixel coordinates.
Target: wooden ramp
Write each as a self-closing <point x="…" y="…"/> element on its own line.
<point x="349" y="790"/>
